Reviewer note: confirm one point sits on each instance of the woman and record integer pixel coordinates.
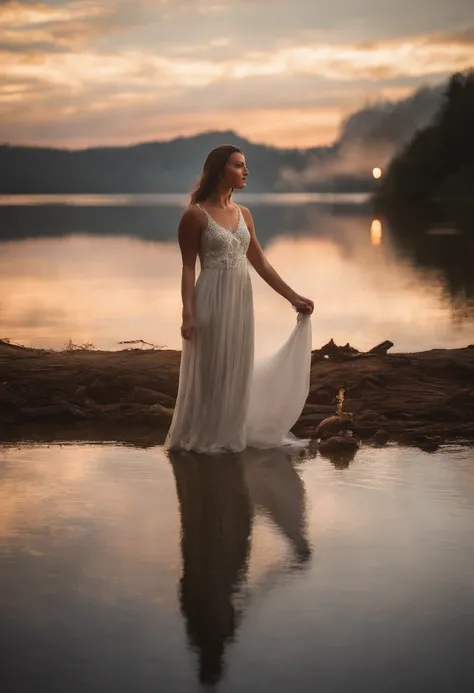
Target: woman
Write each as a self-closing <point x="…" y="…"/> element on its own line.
<point x="223" y="402"/>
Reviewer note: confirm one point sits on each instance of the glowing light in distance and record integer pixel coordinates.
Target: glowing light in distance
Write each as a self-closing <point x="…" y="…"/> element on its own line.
<point x="376" y="232"/>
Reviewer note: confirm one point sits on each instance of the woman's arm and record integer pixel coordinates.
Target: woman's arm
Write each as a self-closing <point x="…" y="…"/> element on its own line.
<point x="268" y="273"/>
<point x="189" y="233"/>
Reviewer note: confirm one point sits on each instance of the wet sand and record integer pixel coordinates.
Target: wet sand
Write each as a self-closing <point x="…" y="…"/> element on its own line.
<point x="423" y="399"/>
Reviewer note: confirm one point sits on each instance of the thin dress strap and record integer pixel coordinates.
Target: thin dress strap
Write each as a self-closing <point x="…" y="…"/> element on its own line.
<point x="211" y="218"/>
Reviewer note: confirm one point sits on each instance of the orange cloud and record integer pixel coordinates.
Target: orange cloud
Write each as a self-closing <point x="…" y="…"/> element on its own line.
<point x="38" y="26"/>
<point x="142" y="91"/>
<point x="417" y="57"/>
<point x="17" y="15"/>
<point x="128" y="117"/>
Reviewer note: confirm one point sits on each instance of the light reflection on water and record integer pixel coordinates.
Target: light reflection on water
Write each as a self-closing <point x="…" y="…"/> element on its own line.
<point x="121" y="568"/>
<point x="89" y="272"/>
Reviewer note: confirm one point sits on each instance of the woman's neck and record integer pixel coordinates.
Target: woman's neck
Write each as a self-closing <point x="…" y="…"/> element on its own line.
<point x="221" y="198"/>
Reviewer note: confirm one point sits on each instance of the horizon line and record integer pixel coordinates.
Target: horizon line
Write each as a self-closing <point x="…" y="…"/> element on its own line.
<point x="131" y="145"/>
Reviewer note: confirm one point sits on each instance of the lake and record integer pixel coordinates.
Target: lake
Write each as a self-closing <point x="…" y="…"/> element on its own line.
<point x="122" y="569"/>
<point x="106" y="269"/>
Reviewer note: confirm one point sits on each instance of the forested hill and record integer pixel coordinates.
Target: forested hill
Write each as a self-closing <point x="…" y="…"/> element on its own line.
<point x="165" y="167"/>
<point x="368" y="138"/>
<point x="434" y="173"/>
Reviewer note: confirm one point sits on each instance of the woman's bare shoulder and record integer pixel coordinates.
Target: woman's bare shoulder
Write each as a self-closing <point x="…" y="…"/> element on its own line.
<point x="247" y="215"/>
<point x="193" y="216"/>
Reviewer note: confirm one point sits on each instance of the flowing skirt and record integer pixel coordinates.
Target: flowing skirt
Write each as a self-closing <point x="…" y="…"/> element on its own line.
<point x="226" y="401"/>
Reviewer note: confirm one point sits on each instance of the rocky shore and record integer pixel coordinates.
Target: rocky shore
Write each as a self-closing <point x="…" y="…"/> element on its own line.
<point x="423" y="399"/>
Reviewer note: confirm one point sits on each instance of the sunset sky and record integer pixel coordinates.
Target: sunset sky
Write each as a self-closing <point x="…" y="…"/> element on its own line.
<point x="281" y="72"/>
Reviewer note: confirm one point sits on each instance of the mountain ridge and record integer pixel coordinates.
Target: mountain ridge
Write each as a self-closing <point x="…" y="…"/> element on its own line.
<point x="368" y="138"/>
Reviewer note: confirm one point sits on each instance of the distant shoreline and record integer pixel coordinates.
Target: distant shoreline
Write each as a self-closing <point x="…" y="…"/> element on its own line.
<point x="181" y="198"/>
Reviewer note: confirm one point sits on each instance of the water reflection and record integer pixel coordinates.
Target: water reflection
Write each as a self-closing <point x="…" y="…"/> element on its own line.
<point x="215" y="539"/>
<point x="105" y="273"/>
<point x="376" y="232"/>
<point x="340" y="457"/>
<point x="129" y="217"/>
<point x="90" y="563"/>
<point x="445" y="252"/>
<point x="219" y="497"/>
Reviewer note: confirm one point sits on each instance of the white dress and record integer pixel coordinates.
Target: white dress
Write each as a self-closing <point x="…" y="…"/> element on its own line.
<point x="225" y="401"/>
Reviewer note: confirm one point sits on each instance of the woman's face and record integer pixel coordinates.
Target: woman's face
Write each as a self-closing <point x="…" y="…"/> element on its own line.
<point x="236" y="171"/>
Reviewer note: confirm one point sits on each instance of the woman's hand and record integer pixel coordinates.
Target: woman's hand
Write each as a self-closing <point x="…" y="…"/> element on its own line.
<point x="302" y="304"/>
<point x="187" y="327"/>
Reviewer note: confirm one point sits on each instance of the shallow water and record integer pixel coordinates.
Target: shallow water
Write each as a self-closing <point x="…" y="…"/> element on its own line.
<point x="121" y="569"/>
<point x="106" y="269"/>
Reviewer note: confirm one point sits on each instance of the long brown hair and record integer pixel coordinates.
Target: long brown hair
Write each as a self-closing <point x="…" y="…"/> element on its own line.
<point x="212" y="171"/>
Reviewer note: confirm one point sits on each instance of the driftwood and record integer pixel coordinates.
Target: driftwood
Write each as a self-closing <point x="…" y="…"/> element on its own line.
<point x="340" y="353"/>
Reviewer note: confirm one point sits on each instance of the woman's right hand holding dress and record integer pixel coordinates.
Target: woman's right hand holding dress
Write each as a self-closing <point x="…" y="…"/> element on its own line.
<point x="302" y="304"/>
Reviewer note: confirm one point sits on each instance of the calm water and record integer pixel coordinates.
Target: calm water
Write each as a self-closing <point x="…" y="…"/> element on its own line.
<point x="123" y="570"/>
<point x="103" y="269"/>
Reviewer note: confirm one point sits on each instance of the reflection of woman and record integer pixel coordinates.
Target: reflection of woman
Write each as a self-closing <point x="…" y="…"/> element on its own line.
<point x="215" y="541"/>
<point x="217" y="502"/>
<point x="276" y="490"/>
<point x="224" y="403"/>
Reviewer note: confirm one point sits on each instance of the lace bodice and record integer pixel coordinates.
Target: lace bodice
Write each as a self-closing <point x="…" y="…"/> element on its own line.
<point x="221" y="248"/>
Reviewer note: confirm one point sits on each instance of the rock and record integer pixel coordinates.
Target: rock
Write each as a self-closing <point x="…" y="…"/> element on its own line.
<point x="333" y="425"/>
<point x="429" y="446"/>
<point x="312" y="416"/>
<point x="367" y="422"/>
